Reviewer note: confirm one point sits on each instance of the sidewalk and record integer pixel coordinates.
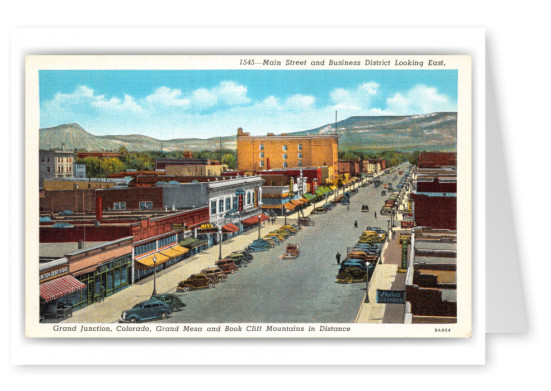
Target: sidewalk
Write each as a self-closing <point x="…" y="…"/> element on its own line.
<point x="385" y="277"/>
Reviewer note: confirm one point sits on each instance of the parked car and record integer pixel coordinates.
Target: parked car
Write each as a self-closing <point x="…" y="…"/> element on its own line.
<point x="195" y="281"/>
<point x="273" y="240"/>
<point x="247" y="254"/>
<point x="259" y="245"/>
<point x="227" y="266"/>
<point x="239" y="260"/>
<point x="215" y="273"/>
<point x="146" y="310"/>
<point x="319" y="210"/>
<point x="305" y="221"/>
<point x="353" y="262"/>
<point x="352" y="274"/>
<point x="291" y="252"/>
<point x="328" y="206"/>
<point x="383" y="193"/>
<point x="365" y="208"/>
<point x="173" y="301"/>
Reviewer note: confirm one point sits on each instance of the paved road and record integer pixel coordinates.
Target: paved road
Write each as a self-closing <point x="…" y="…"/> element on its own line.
<point x="303" y="290"/>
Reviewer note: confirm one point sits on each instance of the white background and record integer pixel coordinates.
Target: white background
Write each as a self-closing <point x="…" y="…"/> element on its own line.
<point x="517" y="51"/>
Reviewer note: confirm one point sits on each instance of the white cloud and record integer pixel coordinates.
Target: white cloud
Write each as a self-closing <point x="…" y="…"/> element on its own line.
<point x="300" y="102"/>
<point x="421" y="99"/>
<point x="203" y="98"/>
<point x="232" y="93"/>
<point x="356" y="99"/>
<point x="166" y="96"/>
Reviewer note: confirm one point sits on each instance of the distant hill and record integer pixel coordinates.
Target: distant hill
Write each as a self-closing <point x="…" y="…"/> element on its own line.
<point x="436" y="131"/>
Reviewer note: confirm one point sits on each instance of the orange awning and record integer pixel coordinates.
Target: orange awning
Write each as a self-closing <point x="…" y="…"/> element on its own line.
<point x="254" y="220"/>
<point x="289" y="205"/>
<point x="230" y="228"/>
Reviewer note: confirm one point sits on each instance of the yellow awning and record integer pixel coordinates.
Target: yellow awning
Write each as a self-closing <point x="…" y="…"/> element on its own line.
<point x="147" y="262"/>
<point x="174" y="251"/>
<point x="333" y="187"/>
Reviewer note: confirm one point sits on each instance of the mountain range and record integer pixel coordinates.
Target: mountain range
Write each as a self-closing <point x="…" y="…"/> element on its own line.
<point x="435" y="131"/>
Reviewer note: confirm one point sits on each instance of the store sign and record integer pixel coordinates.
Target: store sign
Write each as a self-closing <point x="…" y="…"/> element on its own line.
<point x="54" y="273"/>
<point x="391" y="297"/>
<point x="179" y="227"/>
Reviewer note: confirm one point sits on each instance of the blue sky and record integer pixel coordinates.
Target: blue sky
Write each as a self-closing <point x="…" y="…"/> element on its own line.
<point x="206" y="103"/>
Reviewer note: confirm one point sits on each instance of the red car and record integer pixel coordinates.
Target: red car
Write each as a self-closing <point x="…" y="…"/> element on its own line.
<point x="196" y="281"/>
<point x="227" y="266"/>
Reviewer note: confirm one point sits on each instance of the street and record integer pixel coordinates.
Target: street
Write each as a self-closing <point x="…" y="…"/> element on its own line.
<point x="300" y="290"/>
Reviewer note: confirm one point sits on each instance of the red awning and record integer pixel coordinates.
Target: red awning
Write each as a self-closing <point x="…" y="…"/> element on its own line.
<point x="62" y="286"/>
<point x="254" y="220"/>
<point x="230" y="228"/>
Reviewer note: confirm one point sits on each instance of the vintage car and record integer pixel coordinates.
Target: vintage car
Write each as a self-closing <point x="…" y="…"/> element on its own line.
<point x="239" y="260"/>
<point x="245" y="253"/>
<point x="216" y="273"/>
<point x="351" y="274"/>
<point x="146" y="310"/>
<point x="345" y="201"/>
<point x="173" y="301"/>
<point x="383" y="193"/>
<point x="305" y="221"/>
<point x="259" y="245"/>
<point x="319" y="210"/>
<point x="290" y="228"/>
<point x="365" y="208"/>
<point x="196" y="281"/>
<point x="273" y="240"/>
<point x="369" y="237"/>
<point x="328" y="206"/>
<point x="291" y="252"/>
<point x="357" y="254"/>
<point x="278" y="235"/>
<point x="283" y="232"/>
<point x="227" y="266"/>
<point x="353" y="262"/>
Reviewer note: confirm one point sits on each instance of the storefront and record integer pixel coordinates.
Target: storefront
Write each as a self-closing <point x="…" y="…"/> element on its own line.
<point x="194" y="245"/>
<point x="156" y="254"/>
<point x="56" y="287"/>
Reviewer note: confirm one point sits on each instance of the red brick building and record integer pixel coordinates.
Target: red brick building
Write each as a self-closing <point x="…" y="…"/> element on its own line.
<point x="350" y="166"/>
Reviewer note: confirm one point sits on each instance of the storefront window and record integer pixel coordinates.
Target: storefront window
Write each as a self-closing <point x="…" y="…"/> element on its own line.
<point x="213" y="207"/>
<point x="228" y="203"/>
<point x="221" y="205"/>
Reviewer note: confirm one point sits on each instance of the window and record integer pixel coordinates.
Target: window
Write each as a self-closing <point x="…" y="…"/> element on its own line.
<point x="284" y="156"/>
<point x="228" y="204"/>
<point x="213" y="207"/>
<point x="48" y="169"/>
<point x="261" y="147"/>
<point x="300" y="163"/>
<point x="145" y="248"/>
<point x="119" y="205"/>
<point x="249" y="198"/>
<point x="146" y="205"/>
<point x="285" y="147"/>
<point x="166" y="241"/>
<point x="234" y="202"/>
<point x="261" y="163"/>
<point x="42" y="159"/>
<point x="221" y="206"/>
<point x="262" y="155"/>
<point x="284" y="164"/>
<point x="300" y="147"/>
<point x="300" y="155"/>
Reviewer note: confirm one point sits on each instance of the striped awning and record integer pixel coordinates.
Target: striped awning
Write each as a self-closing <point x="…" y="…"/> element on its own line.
<point x="175" y="251"/>
<point x="289" y="205"/>
<point x="308" y="196"/>
<point x="59" y="287"/>
<point x="147" y="262"/>
<point x="230" y="228"/>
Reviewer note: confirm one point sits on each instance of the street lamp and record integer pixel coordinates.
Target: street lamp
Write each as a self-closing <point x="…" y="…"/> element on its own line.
<point x="388" y="227"/>
<point x="219" y="243"/>
<point x="285" y="215"/>
<point x="259" y="223"/>
<point x="154" y="275"/>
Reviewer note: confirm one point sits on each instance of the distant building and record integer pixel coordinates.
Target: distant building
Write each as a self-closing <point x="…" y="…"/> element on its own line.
<point x="431" y="280"/>
<point x="55" y="163"/>
<point x="350" y="166"/>
<point x="259" y="153"/>
<point x="79" y="170"/>
<point x="373" y="166"/>
<point x="435" y="194"/>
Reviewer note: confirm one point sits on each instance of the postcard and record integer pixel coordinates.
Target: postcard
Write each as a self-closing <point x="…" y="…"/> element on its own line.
<point x="255" y="196"/>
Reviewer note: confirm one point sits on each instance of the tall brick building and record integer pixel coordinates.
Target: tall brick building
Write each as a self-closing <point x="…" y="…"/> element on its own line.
<point x="259" y="153"/>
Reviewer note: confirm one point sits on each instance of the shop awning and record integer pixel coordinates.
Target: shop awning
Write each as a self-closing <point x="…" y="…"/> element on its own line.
<point x="147" y="262"/>
<point x="191" y="243"/>
<point x="289" y="205"/>
<point x="308" y="196"/>
<point x="230" y="228"/>
<point x="269" y="206"/>
<point x="333" y="188"/>
<point x="59" y="287"/>
<point x="174" y="251"/>
<point x="254" y="220"/>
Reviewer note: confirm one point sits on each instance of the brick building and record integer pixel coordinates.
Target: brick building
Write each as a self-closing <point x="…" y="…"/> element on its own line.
<point x="259" y="153"/>
<point x="350" y="166"/>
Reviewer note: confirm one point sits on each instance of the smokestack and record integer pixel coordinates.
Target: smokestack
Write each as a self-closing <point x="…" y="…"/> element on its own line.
<point x="99" y="210"/>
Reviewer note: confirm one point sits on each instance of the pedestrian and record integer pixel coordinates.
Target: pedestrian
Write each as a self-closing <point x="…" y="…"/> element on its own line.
<point x="355" y="223"/>
<point x="375" y="214"/>
<point x="348" y="207"/>
<point x="338" y="256"/>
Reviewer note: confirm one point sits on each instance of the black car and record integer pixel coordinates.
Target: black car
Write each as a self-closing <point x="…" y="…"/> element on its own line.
<point x="365" y="208"/>
<point x="383" y="193"/>
<point x="173" y="301"/>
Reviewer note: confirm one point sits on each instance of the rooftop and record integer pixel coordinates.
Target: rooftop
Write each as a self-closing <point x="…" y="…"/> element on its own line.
<point x="59" y="250"/>
<point x="437" y="159"/>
